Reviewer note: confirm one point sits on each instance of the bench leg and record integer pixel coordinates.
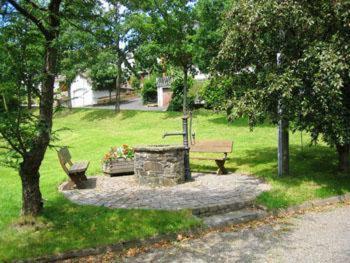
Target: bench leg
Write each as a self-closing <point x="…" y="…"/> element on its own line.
<point x="78" y="179"/>
<point x="221" y="165"/>
<point x="83" y="176"/>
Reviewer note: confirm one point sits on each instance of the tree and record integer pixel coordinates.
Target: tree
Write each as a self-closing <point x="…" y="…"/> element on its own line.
<point x="77" y="51"/>
<point x="312" y="82"/>
<point x="22" y="45"/>
<point x="24" y="137"/>
<point x="210" y="17"/>
<point x="174" y="28"/>
<point x="116" y="40"/>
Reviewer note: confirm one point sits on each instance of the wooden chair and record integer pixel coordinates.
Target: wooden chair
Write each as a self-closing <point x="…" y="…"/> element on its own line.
<point x="224" y="147"/>
<point x="75" y="171"/>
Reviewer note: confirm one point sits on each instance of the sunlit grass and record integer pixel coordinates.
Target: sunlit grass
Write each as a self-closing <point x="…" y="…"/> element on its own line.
<point x="65" y="226"/>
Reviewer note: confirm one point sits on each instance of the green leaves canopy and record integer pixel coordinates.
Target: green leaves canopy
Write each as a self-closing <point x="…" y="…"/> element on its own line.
<point x="313" y="78"/>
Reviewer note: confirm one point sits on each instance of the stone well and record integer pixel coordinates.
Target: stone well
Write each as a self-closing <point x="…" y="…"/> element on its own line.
<point x="159" y="165"/>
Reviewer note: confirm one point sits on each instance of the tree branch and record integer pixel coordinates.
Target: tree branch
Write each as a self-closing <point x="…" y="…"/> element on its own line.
<point x="36" y="6"/>
<point x="120" y="52"/>
<point x="127" y="64"/>
<point x="12" y="144"/>
<point x="30" y="16"/>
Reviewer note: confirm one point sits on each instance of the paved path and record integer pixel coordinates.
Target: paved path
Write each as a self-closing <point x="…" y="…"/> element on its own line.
<point x="133" y="104"/>
<point x="207" y="193"/>
<point x="315" y="237"/>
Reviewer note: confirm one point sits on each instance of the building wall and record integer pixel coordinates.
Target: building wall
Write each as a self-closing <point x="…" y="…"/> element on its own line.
<point x="160" y="96"/>
<point x="167" y="94"/>
<point x="81" y="92"/>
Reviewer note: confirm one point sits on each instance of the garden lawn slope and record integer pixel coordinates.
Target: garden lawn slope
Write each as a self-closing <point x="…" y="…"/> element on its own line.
<point x="65" y="226"/>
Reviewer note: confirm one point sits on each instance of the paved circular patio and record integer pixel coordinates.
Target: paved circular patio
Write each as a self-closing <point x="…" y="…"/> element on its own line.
<point x="206" y="194"/>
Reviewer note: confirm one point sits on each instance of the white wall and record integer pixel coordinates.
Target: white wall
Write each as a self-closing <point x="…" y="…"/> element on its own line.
<point x="160" y="96"/>
<point x="81" y="92"/>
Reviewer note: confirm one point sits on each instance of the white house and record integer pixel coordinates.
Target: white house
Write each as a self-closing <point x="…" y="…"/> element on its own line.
<point x="82" y="93"/>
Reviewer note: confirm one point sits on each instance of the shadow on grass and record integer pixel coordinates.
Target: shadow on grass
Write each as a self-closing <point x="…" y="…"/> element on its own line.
<point x="171" y="114"/>
<point x="196" y="114"/>
<point x="313" y="172"/>
<point x="242" y="122"/>
<point x="96" y="115"/>
<point x="66" y="226"/>
<point x="205" y="168"/>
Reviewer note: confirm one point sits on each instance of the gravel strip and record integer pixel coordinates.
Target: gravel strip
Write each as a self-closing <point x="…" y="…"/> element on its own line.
<point x="313" y="237"/>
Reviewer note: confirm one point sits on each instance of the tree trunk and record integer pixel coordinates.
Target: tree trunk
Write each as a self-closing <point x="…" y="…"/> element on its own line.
<point x="29" y="96"/>
<point x="184" y="106"/>
<point x="29" y="170"/>
<point x="283" y="147"/>
<point x="31" y="196"/>
<point x="118" y="87"/>
<point x="5" y="103"/>
<point x="69" y="88"/>
<point x="344" y="158"/>
<point x="118" y="82"/>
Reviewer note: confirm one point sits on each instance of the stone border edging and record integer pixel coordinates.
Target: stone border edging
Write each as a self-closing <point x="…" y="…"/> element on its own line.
<point x="314" y="203"/>
<point x="118" y="247"/>
<point x="121" y="246"/>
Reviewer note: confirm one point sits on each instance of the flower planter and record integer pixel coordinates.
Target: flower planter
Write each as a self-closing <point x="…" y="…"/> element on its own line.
<point x="118" y="167"/>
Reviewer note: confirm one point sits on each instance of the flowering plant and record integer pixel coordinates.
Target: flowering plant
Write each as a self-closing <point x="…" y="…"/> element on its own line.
<point x="114" y="153"/>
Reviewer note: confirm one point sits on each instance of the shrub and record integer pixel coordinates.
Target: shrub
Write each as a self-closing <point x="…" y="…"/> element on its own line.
<point x="149" y="90"/>
<point x="177" y="97"/>
<point x="214" y="94"/>
<point x="135" y="82"/>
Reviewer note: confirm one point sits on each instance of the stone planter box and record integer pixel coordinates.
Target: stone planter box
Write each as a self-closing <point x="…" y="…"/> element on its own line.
<point x="119" y="167"/>
<point x="159" y="165"/>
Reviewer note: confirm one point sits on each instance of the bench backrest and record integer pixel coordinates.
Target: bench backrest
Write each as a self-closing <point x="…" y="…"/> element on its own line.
<point x="64" y="158"/>
<point x="212" y="146"/>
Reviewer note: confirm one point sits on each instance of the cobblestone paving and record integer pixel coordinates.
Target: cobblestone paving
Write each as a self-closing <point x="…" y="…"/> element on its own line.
<point x="205" y="191"/>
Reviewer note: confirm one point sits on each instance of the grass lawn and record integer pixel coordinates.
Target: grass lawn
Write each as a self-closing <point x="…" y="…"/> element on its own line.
<point x="65" y="226"/>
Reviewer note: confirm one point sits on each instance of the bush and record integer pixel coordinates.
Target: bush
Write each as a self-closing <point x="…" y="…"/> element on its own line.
<point x="214" y="94"/>
<point x="177" y="97"/>
<point x="149" y="90"/>
<point x="135" y="82"/>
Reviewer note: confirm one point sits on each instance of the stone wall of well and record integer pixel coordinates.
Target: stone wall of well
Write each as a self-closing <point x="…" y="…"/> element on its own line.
<point x="159" y="165"/>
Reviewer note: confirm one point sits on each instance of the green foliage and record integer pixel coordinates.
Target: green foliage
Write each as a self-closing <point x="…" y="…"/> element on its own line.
<point x="135" y="82"/>
<point x="312" y="81"/>
<point x="21" y="62"/>
<point x="177" y="86"/>
<point x="214" y="93"/>
<point x="149" y="90"/>
<point x="325" y="107"/>
<point x="210" y="16"/>
<point x="103" y="72"/>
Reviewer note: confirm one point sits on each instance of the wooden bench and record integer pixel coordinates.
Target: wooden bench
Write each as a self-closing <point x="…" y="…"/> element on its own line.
<point x="223" y="147"/>
<point x="75" y="171"/>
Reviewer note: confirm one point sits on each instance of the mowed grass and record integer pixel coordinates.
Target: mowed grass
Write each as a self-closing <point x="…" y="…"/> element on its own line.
<point x="65" y="226"/>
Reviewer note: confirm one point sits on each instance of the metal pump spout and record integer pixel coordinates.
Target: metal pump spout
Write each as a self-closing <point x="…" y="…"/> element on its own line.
<point x="173" y="134"/>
